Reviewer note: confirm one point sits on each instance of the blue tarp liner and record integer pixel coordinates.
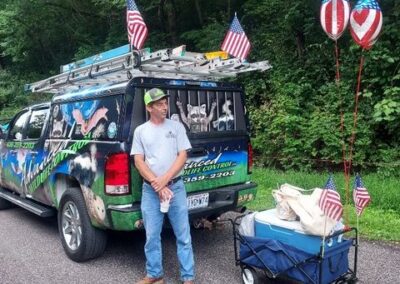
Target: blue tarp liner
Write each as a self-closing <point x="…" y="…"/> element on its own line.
<point x="296" y="264"/>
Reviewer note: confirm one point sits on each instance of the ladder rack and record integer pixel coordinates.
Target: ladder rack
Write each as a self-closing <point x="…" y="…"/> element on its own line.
<point x="120" y="65"/>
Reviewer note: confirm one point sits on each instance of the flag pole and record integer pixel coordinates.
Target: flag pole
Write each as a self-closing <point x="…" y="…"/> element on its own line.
<point x="358" y="231"/>
<point x="323" y="239"/>
<point x="344" y="160"/>
<point x="357" y="216"/>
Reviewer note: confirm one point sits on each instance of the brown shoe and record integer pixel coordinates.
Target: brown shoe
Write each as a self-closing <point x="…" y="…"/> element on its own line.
<point x="188" y="282"/>
<point x="148" y="280"/>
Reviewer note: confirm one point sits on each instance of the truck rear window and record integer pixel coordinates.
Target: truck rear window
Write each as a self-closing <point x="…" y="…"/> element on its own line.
<point x="203" y="110"/>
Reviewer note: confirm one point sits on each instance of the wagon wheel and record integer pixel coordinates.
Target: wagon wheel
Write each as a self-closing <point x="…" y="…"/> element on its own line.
<point x="348" y="280"/>
<point x="249" y="275"/>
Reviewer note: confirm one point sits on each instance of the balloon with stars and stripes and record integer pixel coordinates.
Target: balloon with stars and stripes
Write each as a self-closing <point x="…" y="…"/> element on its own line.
<point x="334" y="16"/>
<point x="366" y="23"/>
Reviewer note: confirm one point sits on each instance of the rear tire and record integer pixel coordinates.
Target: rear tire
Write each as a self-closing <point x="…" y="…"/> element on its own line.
<point x="249" y="275"/>
<point x="5" y="204"/>
<point x="81" y="241"/>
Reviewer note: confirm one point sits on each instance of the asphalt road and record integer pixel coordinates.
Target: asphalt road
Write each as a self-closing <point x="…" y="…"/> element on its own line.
<point x="31" y="252"/>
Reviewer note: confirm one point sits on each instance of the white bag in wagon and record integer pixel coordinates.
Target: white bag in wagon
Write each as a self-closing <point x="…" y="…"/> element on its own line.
<point x="246" y="227"/>
<point x="312" y="218"/>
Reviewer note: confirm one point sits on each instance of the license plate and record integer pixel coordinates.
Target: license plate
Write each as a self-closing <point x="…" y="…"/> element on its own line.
<point x="197" y="201"/>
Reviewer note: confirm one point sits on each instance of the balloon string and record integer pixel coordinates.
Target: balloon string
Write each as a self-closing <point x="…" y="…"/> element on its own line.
<point x="341" y="103"/>
<point x="355" y="113"/>
<point x="353" y="131"/>
<point x="337" y="62"/>
<point x="346" y="174"/>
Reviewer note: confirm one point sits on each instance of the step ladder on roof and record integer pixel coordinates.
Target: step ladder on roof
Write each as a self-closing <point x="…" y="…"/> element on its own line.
<point x="121" y="64"/>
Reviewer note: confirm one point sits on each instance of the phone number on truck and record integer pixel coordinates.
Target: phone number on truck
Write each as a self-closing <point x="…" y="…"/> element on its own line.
<point x="209" y="176"/>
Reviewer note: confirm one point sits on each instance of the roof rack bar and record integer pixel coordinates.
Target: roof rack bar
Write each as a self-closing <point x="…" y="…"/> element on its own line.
<point x="121" y="64"/>
<point x="185" y="71"/>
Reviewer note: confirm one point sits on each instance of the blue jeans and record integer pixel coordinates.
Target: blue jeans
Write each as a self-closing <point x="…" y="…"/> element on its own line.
<point x="153" y="222"/>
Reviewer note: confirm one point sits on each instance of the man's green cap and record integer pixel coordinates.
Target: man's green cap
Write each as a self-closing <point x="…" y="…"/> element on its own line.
<point x="153" y="95"/>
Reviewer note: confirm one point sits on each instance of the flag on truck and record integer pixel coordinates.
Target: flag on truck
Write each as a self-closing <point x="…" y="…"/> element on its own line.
<point x="330" y="202"/>
<point x="361" y="196"/>
<point x="236" y="42"/>
<point x="137" y="29"/>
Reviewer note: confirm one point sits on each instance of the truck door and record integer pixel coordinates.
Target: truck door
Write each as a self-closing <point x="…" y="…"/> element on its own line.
<point x="33" y="147"/>
<point x="13" y="155"/>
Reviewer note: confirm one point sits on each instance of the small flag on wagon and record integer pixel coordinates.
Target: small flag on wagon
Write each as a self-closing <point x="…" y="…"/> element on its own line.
<point x="330" y="202"/>
<point x="361" y="196"/>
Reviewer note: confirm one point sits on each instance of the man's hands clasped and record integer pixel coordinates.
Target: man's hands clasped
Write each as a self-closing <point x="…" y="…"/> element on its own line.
<point x="159" y="185"/>
<point x="165" y="194"/>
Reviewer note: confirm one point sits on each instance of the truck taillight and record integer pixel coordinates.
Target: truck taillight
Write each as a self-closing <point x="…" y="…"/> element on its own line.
<point x="116" y="174"/>
<point x="249" y="158"/>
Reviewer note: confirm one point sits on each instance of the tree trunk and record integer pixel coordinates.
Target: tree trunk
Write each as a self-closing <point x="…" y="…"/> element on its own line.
<point x="161" y="15"/>
<point x="171" y="12"/>
<point x="300" y="43"/>
<point x="199" y="14"/>
<point x="228" y="10"/>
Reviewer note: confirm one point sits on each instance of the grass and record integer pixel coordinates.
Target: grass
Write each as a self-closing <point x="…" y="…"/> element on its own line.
<point x="379" y="221"/>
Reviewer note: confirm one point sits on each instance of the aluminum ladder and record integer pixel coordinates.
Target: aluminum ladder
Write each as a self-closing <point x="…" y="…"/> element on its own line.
<point x="121" y="64"/>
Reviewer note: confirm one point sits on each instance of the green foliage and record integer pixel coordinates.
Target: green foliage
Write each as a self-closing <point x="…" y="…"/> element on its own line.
<point x="11" y="96"/>
<point x="295" y="109"/>
<point x="387" y="110"/>
<point x="40" y="35"/>
<point x="207" y="38"/>
<point x="372" y="227"/>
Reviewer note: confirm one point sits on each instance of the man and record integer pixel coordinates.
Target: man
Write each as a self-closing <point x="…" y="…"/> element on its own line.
<point x="159" y="149"/>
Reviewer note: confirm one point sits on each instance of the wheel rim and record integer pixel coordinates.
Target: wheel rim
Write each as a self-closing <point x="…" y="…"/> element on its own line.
<point x="71" y="225"/>
<point x="247" y="276"/>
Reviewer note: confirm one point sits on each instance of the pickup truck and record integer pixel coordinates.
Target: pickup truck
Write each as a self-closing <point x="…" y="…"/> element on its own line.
<point x="70" y="157"/>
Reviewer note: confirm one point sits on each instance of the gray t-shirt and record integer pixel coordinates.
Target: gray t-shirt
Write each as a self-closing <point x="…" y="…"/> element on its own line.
<point x="160" y="144"/>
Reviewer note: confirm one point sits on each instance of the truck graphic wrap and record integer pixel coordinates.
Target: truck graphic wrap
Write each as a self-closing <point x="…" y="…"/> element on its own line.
<point x="215" y="170"/>
<point x="71" y="156"/>
<point x="37" y="174"/>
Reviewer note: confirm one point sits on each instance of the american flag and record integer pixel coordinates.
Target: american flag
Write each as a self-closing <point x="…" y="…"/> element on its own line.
<point x="366" y="22"/>
<point x="330" y="201"/>
<point x="334" y="16"/>
<point x="236" y="42"/>
<point x="360" y="196"/>
<point x="137" y="29"/>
